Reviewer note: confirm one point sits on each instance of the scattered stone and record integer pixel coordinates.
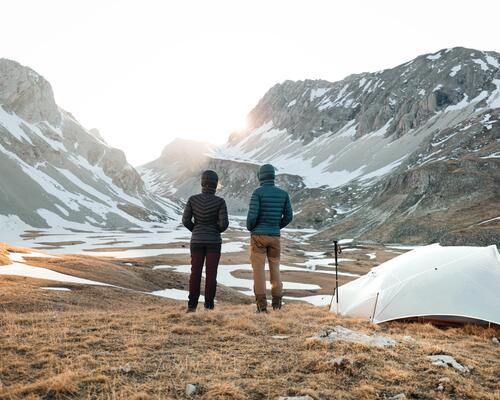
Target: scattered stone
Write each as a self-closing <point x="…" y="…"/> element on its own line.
<point x="307" y="397"/>
<point x="192" y="389"/>
<point x="442" y="383"/>
<point x="339" y="362"/>
<point x="275" y="350"/>
<point x="443" y="360"/>
<point x="408" y="339"/>
<point x="495" y="340"/>
<point x="280" y="337"/>
<point x="341" y="333"/>
<point x="125" y="369"/>
<point x="399" y="396"/>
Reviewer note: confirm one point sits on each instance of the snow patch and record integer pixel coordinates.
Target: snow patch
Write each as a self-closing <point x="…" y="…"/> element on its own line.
<point x="493" y="155"/>
<point x="226" y="278"/>
<point x="175" y="294"/>
<point x="12" y="227"/>
<point x="462" y="104"/>
<point x="489" y="220"/>
<point x="19" y="269"/>
<point x="14" y="125"/>
<point x="19" y="257"/>
<point x="341" y="93"/>
<point x="382" y="131"/>
<point x="434" y="57"/>
<point x="319" y="92"/>
<point x="120" y="253"/>
<point x="382" y="171"/>
<point x="483" y="65"/>
<point x="397" y="247"/>
<point x="494" y="98"/>
<point x="314" y="254"/>
<point x="11" y="122"/>
<point x="492" y="61"/>
<point x="455" y="69"/>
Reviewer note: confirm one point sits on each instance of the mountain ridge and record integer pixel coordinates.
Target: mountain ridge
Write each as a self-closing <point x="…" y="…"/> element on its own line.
<point x="339" y="143"/>
<point x="56" y="173"/>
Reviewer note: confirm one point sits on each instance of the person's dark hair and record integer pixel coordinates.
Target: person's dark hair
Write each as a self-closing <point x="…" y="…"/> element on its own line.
<point x="209" y="179"/>
<point x="266" y="173"/>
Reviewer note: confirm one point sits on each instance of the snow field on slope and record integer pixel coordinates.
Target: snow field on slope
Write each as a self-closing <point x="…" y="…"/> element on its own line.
<point x="102" y="198"/>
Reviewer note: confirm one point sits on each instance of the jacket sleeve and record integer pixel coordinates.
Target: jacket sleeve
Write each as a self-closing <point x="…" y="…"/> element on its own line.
<point x="187" y="216"/>
<point x="253" y="211"/>
<point x="223" y="220"/>
<point x="287" y="216"/>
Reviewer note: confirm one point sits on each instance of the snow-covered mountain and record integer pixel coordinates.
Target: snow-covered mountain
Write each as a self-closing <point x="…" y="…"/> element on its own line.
<point x="405" y="154"/>
<point x="366" y="125"/>
<point x="56" y="173"/>
<point x="175" y="170"/>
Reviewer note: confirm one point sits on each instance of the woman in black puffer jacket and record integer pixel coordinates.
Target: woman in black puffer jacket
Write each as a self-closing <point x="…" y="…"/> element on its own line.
<point x="210" y="220"/>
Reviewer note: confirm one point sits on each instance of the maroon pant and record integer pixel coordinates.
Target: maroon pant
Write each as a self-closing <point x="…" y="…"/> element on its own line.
<point x="200" y="253"/>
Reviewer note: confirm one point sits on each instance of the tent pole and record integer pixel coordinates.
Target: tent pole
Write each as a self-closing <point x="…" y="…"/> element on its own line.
<point x="375" y="307"/>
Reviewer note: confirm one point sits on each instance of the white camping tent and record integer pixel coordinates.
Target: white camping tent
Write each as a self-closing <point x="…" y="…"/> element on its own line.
<point x="447" y="283"/>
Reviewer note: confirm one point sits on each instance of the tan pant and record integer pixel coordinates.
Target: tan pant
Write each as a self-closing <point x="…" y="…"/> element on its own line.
<point x="262" y="246"/>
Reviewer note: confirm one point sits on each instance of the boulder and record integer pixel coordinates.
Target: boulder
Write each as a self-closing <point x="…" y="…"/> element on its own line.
<point x="344" y="334"/>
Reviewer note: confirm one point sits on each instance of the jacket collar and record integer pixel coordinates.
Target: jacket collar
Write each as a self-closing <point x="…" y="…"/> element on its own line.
<point x="207" y="190"/>
<point x="267" y="182"/>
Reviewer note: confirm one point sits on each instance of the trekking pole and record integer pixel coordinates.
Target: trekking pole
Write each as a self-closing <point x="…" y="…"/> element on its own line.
<point x="338" y="250"/>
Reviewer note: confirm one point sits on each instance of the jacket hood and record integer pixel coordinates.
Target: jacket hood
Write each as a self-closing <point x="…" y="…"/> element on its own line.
<point x="209" y="181"/>
<point x="266" y="173"/>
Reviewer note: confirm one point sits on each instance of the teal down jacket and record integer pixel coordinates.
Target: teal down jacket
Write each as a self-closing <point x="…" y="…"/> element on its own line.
<point x="270" y="207"/>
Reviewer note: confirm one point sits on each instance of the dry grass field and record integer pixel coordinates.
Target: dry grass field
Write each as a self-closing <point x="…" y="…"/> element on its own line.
<point x="97" y="342"/>
<point x="150" y="349"/>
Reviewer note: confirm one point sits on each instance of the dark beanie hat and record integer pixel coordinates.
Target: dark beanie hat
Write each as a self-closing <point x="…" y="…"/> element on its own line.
<point x="266" y="173"/>
<point x="209" y="179"/>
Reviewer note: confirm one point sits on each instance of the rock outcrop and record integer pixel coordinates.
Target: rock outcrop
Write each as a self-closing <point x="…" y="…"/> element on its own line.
<point x="408" y="154"/>
<point x="57" y="173"/>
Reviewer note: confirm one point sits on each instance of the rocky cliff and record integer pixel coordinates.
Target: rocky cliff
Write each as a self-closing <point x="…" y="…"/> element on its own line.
<point x="54" y="172"/>
<point x="408" y="154"/>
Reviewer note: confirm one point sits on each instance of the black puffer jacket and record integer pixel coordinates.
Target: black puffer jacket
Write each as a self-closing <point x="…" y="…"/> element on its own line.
<point x="210" y="217"/>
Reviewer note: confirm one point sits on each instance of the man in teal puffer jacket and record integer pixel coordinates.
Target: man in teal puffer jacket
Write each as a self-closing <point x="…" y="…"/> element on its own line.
<point x="270" y="210"/>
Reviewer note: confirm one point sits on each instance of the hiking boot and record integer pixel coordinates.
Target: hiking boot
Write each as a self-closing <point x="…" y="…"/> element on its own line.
<point x="261" y="311"/>
<point x="276" y="302"/>
<point x="261" y="302"/>
<point x="209" y="306"/>
<point x="191" y="309"/>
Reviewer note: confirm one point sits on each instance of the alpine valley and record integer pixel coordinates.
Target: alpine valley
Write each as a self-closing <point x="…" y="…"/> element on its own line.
<point x="57" y="174"/>
<point x="404" y="155"/>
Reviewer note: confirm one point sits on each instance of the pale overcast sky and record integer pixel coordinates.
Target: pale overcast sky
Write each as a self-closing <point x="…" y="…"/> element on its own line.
<point x="145" y="72"/>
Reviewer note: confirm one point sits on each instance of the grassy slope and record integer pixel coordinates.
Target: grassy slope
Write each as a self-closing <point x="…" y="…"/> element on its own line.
<point x="96" y="342"/>
<point x="152" y="349"/>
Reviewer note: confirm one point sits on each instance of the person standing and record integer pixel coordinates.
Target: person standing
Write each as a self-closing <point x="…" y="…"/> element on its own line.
<point x="270" y="210"/>
<point x="205" y="215"/>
